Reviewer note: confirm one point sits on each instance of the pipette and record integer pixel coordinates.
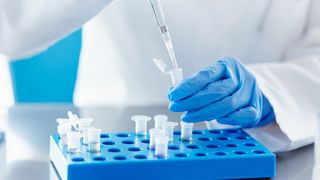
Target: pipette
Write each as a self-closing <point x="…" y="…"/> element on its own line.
<point x="157" y="10"/>
<point x="176" y="72"/>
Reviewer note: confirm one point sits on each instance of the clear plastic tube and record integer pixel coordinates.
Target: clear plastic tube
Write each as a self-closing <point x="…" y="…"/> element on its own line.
<point x="186" y="131"/>
<point x="74" y="144"/>
<point x="94" y="140"/>
<point x="176" y="76"/>
<point x="154" y="132"/>
<point x="159" y="120"/>
<point x="168" y="129"/>
<point x="141" y="124"/>
<point x="161" y="146"/>
<point x="63" y="128"/>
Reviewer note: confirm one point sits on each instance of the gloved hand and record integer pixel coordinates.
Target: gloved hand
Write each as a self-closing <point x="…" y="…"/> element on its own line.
<point x="225" y="91"/>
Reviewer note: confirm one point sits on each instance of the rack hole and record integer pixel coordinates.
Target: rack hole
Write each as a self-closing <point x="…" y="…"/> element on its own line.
<point x="108" y="143"/>
<point x="201" y="154"/>
<point x="233" y="131"/>
<point x="231" y="145"/>
<point x="115" y="150"/>
<point x="122" y="135"/>
<point x="140" y="157"/>
<point x="204" y="139"/>
<point x="250" y="144"/>
<point x="259" y="152"/>
<point x="134" y="149"/>
<point x="127" y="142"/>
<point x="104" y="136"/>
<point x="222" y="138"/>
<point x="146" y="141"/>
<point x="191" y="146"/>
<point x="120" y="158"/>
<point x="215" y="132"/>
<point x="241" y="137"/>
<point x="178" y="133"/>
<point x="212" y="146"/>
<point x="239" y="152"/>
<point x="181" y="155"/>
<point x="197" y="132"/>
<point x="220" y="153"/>
<point x="77" y="159"/>
<point x="99" y="158"/>
<point x="172" y="147"/>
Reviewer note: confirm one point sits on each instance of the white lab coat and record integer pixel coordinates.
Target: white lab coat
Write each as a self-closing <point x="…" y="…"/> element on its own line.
<point x="279" y="40"/>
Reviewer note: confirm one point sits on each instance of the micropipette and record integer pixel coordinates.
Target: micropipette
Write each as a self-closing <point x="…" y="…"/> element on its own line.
<point x="176" y="72"/>
<point x="164" y="31"/>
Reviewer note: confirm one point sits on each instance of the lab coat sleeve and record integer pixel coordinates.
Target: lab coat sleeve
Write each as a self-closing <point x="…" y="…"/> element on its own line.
<point x="293" y="89"/>
<point x="28" y="27"/>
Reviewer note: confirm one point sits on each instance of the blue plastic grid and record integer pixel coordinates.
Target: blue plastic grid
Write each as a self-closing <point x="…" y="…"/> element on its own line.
<point x="213" y="154"/>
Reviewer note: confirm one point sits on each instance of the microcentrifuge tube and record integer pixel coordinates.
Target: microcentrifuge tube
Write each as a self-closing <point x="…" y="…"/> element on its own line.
<point x="94" y="140"/>
<point x="186" y="131"/>
<point x="168" y="129"/>
<point x="141" y="124"/>
<point x="82" y="125"/>
<point x="74" y="144"/>
<point x="176" y="76"/>
<point x="63" y="130"/>
<point x="161" y="146"/>
<point x="159" y="120"/>
<point x="154" y="132"/>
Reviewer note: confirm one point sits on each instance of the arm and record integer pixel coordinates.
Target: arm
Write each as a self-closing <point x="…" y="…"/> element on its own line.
<point x="293" y="89"/>
<point x="27" y="27"/>
<point x="279" y="100"/>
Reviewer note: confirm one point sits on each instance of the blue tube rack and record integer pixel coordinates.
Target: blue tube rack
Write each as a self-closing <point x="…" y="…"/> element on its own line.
<point x="212" y="154"/>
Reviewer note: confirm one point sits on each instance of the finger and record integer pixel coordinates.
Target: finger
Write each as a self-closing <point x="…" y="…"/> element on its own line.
<point x="211" y="93"/>
<point x="196" y="82"/>
<point x="249" y="116"/>
<point x="245" y="117"/>
<point x="238" y="100"/>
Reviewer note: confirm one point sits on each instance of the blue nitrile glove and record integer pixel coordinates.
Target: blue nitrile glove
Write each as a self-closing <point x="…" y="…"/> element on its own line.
<point x="225" y="91"/>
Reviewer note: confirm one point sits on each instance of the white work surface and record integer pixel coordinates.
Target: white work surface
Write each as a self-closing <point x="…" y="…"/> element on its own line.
<point x="25" y="152"/>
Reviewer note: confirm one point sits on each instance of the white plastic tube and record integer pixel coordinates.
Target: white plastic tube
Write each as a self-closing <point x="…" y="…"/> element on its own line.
<point x="74" y="144"/>
<point x="154" y="132"/>
<point x="82" y="125"/>
<point x="186" y="131"/>
<point x="141" y="124"/>
<point x="176" y="76"/>
<point x="159" y="120"/>
<point x="168" y="129"/>
<point x="94" y="140"/>
<point x="161" y="146"/>
<point x="63" y="130"/>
